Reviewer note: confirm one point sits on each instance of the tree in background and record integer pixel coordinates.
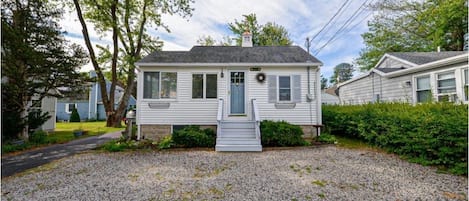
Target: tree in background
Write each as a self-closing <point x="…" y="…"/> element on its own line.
<point x="75" y="116"/>
<point x="270" y="34"/>
<point x="126" y="22"/>
<point x="342" y="73"/>
<point x="323" y="82"/>
<point x="36" y="61"/>
<point x="407" y="26"/>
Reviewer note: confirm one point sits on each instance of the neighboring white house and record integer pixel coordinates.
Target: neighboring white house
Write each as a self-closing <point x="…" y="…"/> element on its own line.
<point x="47" y="104"/>
<point x="411" y="77"/>
<point x="229" y="89"/>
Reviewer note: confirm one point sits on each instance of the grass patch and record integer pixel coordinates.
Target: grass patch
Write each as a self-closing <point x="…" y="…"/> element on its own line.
<point x="320" y="183"/>
<point x="351" y="143"/>
<point x="62" y="134"/>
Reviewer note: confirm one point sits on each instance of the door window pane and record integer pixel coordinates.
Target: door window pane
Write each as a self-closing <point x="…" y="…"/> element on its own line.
<point x="211" y="88"/>
<point x="197" y="85"/>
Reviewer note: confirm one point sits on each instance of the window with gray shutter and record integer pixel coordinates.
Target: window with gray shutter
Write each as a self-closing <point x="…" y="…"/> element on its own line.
<point x="272" y="80"/>
<point x="296" y="95"/>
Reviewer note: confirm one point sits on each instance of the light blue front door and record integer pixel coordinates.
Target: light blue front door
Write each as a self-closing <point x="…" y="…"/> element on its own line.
<point x="237" y="93"/>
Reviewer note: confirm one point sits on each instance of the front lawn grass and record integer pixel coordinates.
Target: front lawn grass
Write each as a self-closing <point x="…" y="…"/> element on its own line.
<point x="63" y="133"/>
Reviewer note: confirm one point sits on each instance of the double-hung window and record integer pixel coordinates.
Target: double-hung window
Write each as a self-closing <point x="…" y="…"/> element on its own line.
<point x="423" y="89"/>
<point x="446" y="90"/>
<point x="160" y="85"/>
<point x="69" y="107"/>
<point x="204" y="86"/>
<point x="284" y="88"/>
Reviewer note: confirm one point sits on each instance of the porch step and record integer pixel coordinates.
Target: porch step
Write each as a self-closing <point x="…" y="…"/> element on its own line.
<point x="238" y="136"/>
<point x="219" y="147"/>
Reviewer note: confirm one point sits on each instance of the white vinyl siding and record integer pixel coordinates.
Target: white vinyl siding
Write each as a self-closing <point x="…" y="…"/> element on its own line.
<point x="423" y="89"/>
<point x="186" y="110"/>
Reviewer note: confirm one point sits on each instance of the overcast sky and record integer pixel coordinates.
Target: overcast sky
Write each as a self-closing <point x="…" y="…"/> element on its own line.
<point x="301" y="18"/>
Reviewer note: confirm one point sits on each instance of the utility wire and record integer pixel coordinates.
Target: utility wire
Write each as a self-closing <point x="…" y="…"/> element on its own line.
<point x="347" y="22"/>
<point x="330" y="20"/>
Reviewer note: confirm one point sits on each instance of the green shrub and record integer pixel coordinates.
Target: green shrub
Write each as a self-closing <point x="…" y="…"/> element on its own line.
<point x="281" y="133"/>
<point x="327" y="138"/>
<point x="429" y="134"/>
<point x="193" y="136"/>
<point x="74" y="117"/>
<point x="38" y="137"/>
<point x="166" y="142"/>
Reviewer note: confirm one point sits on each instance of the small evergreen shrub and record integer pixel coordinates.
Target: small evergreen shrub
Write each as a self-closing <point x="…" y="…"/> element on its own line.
<point x="74" y="117"/>
<point x="428" y="134"/>
<point x="327" y="138"/>
<point x="193" y="136"/>
<point x="166" y="142"/>
<point x="38" y="137"/>
<point x="281" y="133"/>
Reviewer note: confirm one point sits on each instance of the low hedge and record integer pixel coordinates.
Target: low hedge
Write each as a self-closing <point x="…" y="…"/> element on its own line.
<point x="193" y="136"/>
<point x="281" y="133"/>
<point x="429" y="134"/>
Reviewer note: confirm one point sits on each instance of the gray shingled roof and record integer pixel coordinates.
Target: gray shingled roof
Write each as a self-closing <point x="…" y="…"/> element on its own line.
<point x="233" y="54"/>
<point x="388" y="70"/>
<point x="420" y="58"/>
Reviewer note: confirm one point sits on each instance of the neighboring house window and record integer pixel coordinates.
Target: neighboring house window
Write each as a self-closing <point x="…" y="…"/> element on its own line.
<point x="466" y="85"/>
<point x="423" y="89"/>
<point x="446" y="90"/>
<point x="69" y="107"/>
<point x="160" y="85"/>
<point x="284" y="88"/>
<point x="204" y="86"/>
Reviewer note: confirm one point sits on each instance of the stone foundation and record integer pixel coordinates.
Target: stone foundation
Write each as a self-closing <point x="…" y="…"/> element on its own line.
<point x="309" y="132"/>
<point x="155" y="132"/>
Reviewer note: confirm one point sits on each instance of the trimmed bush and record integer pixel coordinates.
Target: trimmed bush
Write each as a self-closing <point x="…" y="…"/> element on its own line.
<point x="38" y="137"/>
<point x="429" y="134"/>
<point x="74" y="117"/>
<point x="281" y="133"/>
<point x="327" y="138"/>
<point x="193" y="136"/>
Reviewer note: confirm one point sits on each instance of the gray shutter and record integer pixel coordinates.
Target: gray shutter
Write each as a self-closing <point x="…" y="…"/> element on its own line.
<point x="272" y="80"/>
<point x="296" y="88"/>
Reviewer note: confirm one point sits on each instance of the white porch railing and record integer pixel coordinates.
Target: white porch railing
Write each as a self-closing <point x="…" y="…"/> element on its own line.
<point x="256" y="118"/>
<point x="219" y="116"/>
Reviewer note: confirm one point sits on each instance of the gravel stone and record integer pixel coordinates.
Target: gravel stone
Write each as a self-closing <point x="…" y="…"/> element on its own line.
<point x="321" y="173"/>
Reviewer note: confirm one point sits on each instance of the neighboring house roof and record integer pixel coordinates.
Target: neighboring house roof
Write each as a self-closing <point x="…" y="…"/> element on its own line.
<point x="233" y="54"/>
<point x="420" y="58"/>
<point x="422" y="61"/>
<point x="331" y="90"/>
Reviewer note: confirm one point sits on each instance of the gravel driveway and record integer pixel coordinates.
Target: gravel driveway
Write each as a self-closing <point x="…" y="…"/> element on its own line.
<point x="324" y="173"/>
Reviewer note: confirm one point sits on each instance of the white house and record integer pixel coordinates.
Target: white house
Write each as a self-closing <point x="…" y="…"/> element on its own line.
<point x="411" y="77"/>
<point x="230" y="89"/>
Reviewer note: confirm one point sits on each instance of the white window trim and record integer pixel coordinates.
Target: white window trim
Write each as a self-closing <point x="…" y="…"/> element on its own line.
<point x="159" y="87"/>
<point x="67" y="107"/>
<point x="204" y="89"/>
<point x="278" y="89"/>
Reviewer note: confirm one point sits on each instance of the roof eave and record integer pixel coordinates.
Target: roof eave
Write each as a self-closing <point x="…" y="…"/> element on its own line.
<point x="155" y="64"/>
<point x="431" y="65"/>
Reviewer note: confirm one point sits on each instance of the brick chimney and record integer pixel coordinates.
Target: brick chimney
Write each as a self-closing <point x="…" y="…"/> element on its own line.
<point x="247" y="39"/>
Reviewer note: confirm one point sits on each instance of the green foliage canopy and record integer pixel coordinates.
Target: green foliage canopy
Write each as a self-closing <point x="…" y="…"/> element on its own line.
<point x="409" y="26"/>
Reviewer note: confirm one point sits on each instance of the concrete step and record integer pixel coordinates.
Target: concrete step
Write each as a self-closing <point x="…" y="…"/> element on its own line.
<point x="237" y="124"/>
<point x="238" y="141"/>
<point x="241" y="131"/>
<point x="237" y="135"/>
<point x="238" y="147"/>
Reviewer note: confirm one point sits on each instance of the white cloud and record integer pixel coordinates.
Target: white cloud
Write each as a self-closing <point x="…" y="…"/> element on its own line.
<point x="302" y="18"/>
